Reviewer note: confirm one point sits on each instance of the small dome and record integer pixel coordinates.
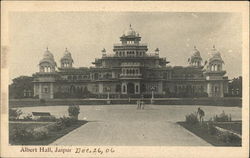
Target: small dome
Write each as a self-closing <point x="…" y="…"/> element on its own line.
<point x="48" y="57"/>
<point x="67" y="55"/>
<point x="196" y="52"/>
<point x="195" y="55"/>
<point x="214" y="55"/>
<point x="131" y="32"/>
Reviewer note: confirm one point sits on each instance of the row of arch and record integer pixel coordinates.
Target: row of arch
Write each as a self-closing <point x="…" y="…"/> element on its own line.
<point x="130" y="53"/>
<point x="216" y="67"/>
<point x="46" y="69"/>
<point x="66" y="65"/>
<point x="196" y="63"/>
<point x="130" y="71"/>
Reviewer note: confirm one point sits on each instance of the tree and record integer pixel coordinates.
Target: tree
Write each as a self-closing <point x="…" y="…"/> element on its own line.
<point x="235" y="86"/>
<point x="19" y="84"/>
<point x="74" y="111"/>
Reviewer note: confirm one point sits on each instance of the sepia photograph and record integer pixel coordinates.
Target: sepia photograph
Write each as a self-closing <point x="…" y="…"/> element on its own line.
<point x="86" y="82"/>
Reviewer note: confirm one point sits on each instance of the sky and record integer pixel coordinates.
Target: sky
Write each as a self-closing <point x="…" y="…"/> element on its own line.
<point x="85" y="34"/>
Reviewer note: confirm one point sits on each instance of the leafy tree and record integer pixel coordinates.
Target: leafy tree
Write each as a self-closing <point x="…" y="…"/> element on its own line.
<point x="19" y="84"/>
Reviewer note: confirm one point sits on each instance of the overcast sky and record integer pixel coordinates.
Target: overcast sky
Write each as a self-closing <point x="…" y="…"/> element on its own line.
<point x="85" y="34"/>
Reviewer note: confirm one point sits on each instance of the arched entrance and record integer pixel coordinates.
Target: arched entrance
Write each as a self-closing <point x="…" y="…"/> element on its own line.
<point x="131" y="88"/>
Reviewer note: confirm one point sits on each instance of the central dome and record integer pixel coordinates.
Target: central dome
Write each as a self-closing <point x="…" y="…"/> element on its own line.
<point x="130" y="32"/>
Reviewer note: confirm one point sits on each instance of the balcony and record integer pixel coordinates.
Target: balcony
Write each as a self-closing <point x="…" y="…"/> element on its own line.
<point x="131" y="76"/>
<point x="146" y="55"/>
<point x="130" y="44"/>
<point x="131" y="64"/>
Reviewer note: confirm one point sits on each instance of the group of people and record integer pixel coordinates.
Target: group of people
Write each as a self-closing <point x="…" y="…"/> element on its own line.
<point x="140" y="104"/>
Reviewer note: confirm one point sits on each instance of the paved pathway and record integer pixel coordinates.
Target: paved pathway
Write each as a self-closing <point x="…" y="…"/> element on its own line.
<point x="123" y="125"/>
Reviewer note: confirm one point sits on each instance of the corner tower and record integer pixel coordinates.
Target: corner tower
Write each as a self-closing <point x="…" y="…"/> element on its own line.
<point x="214" y="74"/>
<point x="44" y="80"/>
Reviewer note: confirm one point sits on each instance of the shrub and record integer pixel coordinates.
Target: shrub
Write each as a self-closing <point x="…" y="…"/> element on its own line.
<point x="74" y="111"/>
<point x="27" y="117"/>
<point x="192" y="119"/>
<point x="21" y="134"/>
<point x="40" y="133"/>
<point x="222" y="117"/>
<point x="67" y="121"/>
<point x="59" y="125"/>
<point x="24" y="135"/>
<point x="14" y="114"/>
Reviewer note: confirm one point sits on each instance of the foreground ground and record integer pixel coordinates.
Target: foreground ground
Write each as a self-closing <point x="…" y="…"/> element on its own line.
<point x="124" y="125"/>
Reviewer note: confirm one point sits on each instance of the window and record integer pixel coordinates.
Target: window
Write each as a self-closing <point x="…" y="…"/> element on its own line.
<point x="136" y="71"/>
<point x="45" y="90"/>
<point x="137" y="88"/>
<point x="69" y="77"/>
<point x="124" y="88"/>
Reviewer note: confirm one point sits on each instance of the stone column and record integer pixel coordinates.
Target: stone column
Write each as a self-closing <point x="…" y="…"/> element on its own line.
<point x="51" y="91"/>
<point x="221" y="89"/>
<point x="100" y="88"/>
<point x="209" y="89"/>
<point x="40" y="91"/>
<point x="34" y="94"/>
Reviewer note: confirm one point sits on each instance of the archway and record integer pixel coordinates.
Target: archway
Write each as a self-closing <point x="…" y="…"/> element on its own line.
<point x="131" y="88"/>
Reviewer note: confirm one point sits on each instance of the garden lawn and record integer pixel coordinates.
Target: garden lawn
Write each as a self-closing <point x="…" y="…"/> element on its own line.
<point x="52" y="135"/>
<point x="202" y="132"/>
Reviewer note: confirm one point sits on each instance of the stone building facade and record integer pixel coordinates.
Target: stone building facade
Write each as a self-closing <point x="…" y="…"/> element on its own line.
<point x="130" y="71"/>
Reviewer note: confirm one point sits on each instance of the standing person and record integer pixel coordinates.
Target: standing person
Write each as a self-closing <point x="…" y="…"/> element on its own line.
<point x="201" y="114"/>
<point x="138" y="104"/>
<point x="142" y="104"/>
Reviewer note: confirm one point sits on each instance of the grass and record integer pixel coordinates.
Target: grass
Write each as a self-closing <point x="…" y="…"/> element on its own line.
<point x="202" y="132"/>
<point x="52" y="136"/>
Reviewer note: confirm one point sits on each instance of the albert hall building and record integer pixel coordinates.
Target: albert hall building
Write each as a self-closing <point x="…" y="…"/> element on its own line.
<point x="130" y="71"/>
